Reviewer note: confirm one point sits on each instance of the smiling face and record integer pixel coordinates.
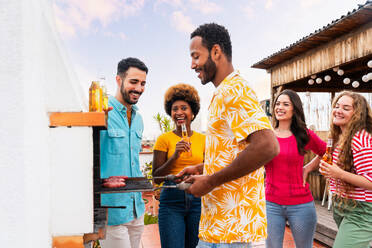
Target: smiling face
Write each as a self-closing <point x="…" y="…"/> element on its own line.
<point x="133" y="85"/>
<point x="202" y="62"/>
<point x="283" y="109"/>
<point x="181" y="113"/>
<point x="343" y="111"/>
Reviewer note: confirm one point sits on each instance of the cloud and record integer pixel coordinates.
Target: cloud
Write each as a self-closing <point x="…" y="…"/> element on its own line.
<point x="269" y="4"/>
<point x="181" y="22"/>
<point x="249" y="11"/>
<point x="174" y="3"/>
<point x="74" y="15"/>
<point x="122" y="36"/>
<point x="309" y="3"/>
<point x="206" y="7"/>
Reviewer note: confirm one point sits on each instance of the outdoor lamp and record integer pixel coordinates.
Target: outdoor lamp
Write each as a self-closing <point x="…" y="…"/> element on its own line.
<point x="327" y="78"/>
<point x="365" y="78"/>
<point x="346" y="80"/>
<point x="355" y="84"/>
<point x="369" y="75"/>
<point x="369" y="64"/>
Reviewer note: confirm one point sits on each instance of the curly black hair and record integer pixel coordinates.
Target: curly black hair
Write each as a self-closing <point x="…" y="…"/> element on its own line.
<point x="184" y="92"/>
<point x="211" y="34"/>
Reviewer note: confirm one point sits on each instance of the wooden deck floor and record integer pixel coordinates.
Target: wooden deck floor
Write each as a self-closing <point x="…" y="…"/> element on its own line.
<point x="326" y="229"/>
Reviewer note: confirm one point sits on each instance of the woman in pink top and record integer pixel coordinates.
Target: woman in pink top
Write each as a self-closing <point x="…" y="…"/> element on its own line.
<point x="288" y="197"/>
<point x="350" y="175"/>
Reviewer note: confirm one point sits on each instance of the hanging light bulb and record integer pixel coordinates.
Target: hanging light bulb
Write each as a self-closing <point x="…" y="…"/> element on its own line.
<point x="310" y="81"/>
<point x="369" y="64"/>
<point x="369" y="75"/>
<point x="327" y="78"/>
<point x="318" y="80"/>
<point x="340" y="72"/>
<point x="313" y="76"/>
<point x="355" y="84"/>
<point x="365" y="78"/>
<point x="346" y="80"/>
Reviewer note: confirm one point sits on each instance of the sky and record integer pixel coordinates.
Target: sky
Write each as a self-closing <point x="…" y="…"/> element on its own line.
<point x="97" y="34"/>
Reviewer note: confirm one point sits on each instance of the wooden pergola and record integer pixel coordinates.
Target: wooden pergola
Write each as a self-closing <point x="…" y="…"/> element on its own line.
<point x="345" y="44"/>
<point x="342" y="47"/>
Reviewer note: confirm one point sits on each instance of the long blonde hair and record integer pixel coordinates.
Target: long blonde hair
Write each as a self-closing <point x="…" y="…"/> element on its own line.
<point x="361" y="119"/>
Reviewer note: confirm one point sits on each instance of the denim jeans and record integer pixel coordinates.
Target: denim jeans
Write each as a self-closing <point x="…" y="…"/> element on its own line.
<point x="302" y="221"/>
<point x="203" y="244"/>
<point x="179" y="215"/>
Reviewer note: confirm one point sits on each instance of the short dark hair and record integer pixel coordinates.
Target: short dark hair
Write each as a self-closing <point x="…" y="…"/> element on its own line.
<point x="125" y="64"/>
<point x="211" y="34"/>
<point x="184" y="92"/>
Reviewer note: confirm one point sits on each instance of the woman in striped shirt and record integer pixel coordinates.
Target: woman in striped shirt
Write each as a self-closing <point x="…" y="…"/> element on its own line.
<point x="350" y="174"/>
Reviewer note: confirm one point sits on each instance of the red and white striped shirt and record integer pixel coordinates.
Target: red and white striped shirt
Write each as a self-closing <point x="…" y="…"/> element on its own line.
<point x="362" y="158"/>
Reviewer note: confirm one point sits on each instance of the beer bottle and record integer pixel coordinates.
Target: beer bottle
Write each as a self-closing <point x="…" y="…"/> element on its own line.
<point x="327" y="157"/>
<point x="104" y="94"/>
<point x="186" y="138"/>
<point x="95" y="97"/>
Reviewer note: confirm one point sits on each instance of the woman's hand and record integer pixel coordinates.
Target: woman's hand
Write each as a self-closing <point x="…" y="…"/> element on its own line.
<point x="330" y="170"/>
<point x="181" y="146"/>
<point x="305" y="173"/>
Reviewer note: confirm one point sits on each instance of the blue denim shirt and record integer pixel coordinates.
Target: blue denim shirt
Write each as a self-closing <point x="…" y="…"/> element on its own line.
<point x="120" y="147"/>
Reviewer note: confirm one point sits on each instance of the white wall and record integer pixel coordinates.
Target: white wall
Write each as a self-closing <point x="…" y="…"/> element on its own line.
<point x="35" y="78"/>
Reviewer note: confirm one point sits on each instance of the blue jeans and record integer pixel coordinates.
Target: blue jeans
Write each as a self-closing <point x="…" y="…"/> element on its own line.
<point x="203" y="244"/>
<point x="302" y="221"/>
<point x="179" y="215"/>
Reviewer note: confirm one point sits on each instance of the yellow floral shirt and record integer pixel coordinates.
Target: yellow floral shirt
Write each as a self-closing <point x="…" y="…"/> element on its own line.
<point x="234" y="211"/>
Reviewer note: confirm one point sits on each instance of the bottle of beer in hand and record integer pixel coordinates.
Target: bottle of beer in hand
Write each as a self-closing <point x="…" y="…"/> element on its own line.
<point x="186" y="138"/>
<point x="95" y="97"/>
<point x="327" y="157"/>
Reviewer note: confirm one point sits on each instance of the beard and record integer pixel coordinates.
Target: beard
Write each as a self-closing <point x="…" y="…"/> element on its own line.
<point x="209" y="69"/>
<point x="126" y="96"/>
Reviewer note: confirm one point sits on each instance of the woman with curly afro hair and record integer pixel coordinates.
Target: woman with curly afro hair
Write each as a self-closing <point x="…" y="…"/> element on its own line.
<point x="350" y="174"/>
<point x="179" y="212"/>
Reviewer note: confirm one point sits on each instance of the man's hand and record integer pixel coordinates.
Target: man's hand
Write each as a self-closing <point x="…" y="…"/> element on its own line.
<point x="188" y="171"/>
<point x="200" y="185"/>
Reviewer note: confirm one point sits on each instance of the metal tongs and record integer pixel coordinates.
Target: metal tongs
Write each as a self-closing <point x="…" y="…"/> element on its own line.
<point x="181" y="185"/>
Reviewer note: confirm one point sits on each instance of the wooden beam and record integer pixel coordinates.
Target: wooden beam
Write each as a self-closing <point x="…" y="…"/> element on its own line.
<point x="77" y="119"/>
<point x="349" y="47"/>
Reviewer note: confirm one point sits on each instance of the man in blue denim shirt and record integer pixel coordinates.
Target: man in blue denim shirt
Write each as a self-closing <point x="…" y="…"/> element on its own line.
<point x="120" y="147"/>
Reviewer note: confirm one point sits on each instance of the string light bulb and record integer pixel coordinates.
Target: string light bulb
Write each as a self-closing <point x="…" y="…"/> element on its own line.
<point x="355" y="84"/>
<point x="340" y="72"/>
<point x="327" y="78"/>
<point x="369" y="64"/>
<point x="365" y="78"/>
<point x="318" y="80"/>
<point x="310" y="81"/>
<point x="346" y="80"/>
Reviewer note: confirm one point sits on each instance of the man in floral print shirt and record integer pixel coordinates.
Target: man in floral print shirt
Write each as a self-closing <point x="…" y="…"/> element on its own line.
<point x="239" y="142"/>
